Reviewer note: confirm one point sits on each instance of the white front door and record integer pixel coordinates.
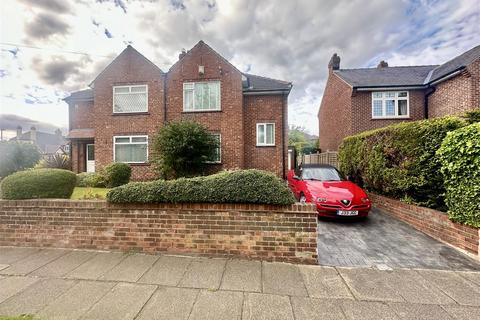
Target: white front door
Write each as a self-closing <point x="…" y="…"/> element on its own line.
<point x="90" y="158"/>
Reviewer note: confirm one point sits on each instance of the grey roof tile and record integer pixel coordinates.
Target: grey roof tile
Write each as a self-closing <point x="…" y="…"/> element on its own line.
<point x="86" y="94"/>
<point x="258" y="83"/>
<point x="456" y="63"/>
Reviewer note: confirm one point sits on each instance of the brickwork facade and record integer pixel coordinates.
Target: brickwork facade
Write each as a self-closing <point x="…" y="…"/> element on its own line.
<point x="165" y="103"/>
<point x="456" y="95"/>
<point x="271" y="233"/>
<point x="431" y="222"/>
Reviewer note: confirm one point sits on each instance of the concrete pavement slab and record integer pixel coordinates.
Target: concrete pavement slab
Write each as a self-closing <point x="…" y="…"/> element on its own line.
<point x="324" y="282"/>
<point x="35" y="297"/>
<point x="168" y="271"/>
<point x="218" y="305"/>
<point x="283" y="279"/>
<point x="12" y="285"/>
<point x="312" y="309"/>
<point x="169" y="304"/>
<point x="76" y="301"/>
<point x="63" y="265"/>
<point x="9" y="255"/>
<point x="471" y="276"/>
<point x="242" y="275"/>
<point x="260" y="306"/>
<point x="366" y="310"/>
<point x="97" y="266"/>
<point x="203" y="273"/>
<point x="33" y="261"/>
<point x="463" y="312"/>
<point x="131" y="268"/>
<point x="123" y="302"/>
<point x="412" y="311"/>
<point x="415" y="289"/>
<point x="369" y="284"/>
<point x="461" y="290"/>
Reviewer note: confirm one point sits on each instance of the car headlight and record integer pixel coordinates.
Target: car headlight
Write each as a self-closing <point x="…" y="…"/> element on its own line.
<point x="321" y="199"/>
<point x="365" y="199"/>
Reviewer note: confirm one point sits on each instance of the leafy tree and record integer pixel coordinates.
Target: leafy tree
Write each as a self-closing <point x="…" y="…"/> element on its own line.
<point x="182" y="149"/>
<point x="16" y="156"/>
<point x="301" y="140"/>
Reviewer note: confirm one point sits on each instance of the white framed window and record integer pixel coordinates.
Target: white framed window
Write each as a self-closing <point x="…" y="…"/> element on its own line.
<point x="201" y="96"/>
<point x="265" y="134"/>
<point x="217" y="157"/>
<point x="130" y="99"/>
<point x="390" y="104"/>
<point x="130" y="149"/>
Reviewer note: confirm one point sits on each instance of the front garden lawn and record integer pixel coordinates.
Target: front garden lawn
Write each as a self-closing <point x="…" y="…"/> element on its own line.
<point x="87" y="193"/>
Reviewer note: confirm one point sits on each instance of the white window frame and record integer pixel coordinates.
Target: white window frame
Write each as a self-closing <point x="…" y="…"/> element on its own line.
<point x="384" y="105"/>
<point x="219" y="147"/>
<point x="219" y="108"/>
<point x="264" y="143"/>
<point x="129" y="143"/>
<point x="129" y="89"/>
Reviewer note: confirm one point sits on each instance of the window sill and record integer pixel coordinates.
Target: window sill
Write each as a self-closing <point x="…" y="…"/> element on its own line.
<point x="391" y="118"/>
<point x="266" y="146"/>
<point x="131" y="114"/>
<point x="201" y="111"/>
<point x="144" y="164"/>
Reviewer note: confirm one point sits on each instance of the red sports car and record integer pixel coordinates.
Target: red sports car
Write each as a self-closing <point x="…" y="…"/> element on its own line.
<point x="333" y="195"/>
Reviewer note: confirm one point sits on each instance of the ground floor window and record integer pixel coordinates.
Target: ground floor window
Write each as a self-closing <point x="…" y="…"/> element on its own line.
<point x="217" y="158"/>
<point x="265" y="134"/>
<point x="130" y="149"/>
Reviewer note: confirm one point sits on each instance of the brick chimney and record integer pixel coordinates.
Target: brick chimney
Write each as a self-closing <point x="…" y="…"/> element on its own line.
<point x="33" y="134"/>
<point x="334" y="63"/>
<point x="182" y="54"/>
<point x="19" y="132"/>
<point x="382" y="64"/>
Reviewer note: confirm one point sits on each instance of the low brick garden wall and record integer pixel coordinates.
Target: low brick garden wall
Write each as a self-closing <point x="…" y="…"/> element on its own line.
<point x="431" y="222"/>
<point x="272" y="233"/>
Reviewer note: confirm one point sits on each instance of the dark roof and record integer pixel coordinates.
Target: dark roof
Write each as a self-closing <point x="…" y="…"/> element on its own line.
<point x="255" y="83"/>
<point x="385" y="77"/>
<point x="86" y="94"/>
<point x="81" y="134"/>
<point x="408" y="75"/>
<point x="46" y="142"/>
<point x="455" y="64"/>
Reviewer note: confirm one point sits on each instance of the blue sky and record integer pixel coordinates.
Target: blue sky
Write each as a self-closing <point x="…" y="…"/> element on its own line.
<point x="52" y="47"/>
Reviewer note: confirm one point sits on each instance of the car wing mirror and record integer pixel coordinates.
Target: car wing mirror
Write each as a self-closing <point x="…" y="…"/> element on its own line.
<point x="297" y="178"/>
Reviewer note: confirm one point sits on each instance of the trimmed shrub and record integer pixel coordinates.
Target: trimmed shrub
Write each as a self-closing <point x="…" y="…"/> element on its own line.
<point x="116" y="174"/>
<point x="90" y="179"/>
<point x="17" y="156"/>
<point x="244" y="186"/>
<point x="400" y="161"/>
<point x="36" y="184"/>
<point x="460" y="159"/>
<point x="473" y="116"/>
<point x="183" y="149"/>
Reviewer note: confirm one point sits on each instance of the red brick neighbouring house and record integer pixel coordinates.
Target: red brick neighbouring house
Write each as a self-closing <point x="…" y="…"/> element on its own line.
<point x="118" y="117"/>
<point x="357" y="100"/>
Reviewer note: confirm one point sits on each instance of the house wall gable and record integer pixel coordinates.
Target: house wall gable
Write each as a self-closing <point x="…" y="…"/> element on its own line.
<point x="229" y="121"/>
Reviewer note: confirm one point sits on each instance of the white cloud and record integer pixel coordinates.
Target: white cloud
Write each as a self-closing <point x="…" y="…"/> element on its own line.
<point x="290" y="40"/>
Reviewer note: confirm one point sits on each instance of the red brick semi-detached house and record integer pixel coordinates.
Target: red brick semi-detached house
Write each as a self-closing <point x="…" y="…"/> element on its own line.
<point x="357" y="100"/>
<point x="116" y="119"/>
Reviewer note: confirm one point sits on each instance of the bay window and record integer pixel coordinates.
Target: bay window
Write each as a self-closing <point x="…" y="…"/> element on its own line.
<point x="130" y="99"/>
<point x="201" y="96"/>
<point x="390" y="104"/>
<point x="265" y="134"/>
<point x="130" y="149"/>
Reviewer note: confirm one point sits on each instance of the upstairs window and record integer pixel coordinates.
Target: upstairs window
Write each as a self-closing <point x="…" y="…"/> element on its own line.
<point x="390" y="104"/>
<point x="130" y="99"/>
<point x="130" y="149"/>
<point x="265" y="134"/>
<point x="201" y="96"/>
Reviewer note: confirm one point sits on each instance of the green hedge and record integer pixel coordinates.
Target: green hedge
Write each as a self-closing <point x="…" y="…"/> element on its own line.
<point x="117" y="174"/>
<point x="460" y="159"/>
<point x="244" y="186"/>
<point x="39" y="183"/>
<point x="90" y="179"/>
<point x="400" y="161"/>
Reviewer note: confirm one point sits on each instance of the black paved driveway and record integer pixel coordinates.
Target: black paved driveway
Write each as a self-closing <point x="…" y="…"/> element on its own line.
<point x="384" y="242"/>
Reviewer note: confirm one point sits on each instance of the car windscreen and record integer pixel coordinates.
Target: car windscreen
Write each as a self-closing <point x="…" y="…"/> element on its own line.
<point x="322" y="174"/>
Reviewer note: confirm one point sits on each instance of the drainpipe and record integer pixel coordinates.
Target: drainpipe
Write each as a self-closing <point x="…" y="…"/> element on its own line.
<point x="429" y="91"/>
<point x="283" y="134"/>
<point x="165" y="99"/>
